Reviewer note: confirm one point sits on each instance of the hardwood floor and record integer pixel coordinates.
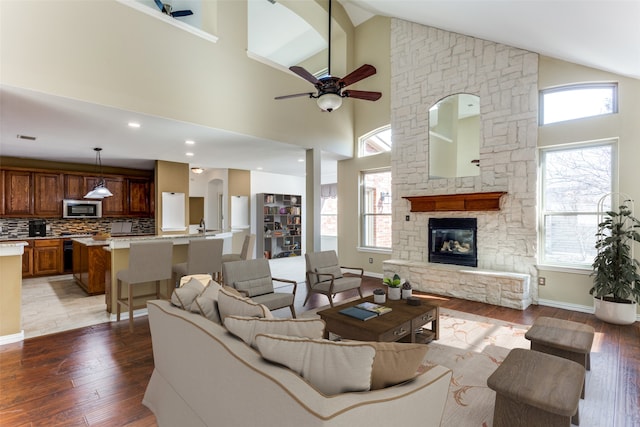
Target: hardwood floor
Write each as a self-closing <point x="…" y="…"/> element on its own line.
<point x="96" y="376"/>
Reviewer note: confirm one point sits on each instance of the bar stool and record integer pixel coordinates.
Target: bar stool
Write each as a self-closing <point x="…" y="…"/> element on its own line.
<point x="247" y="250"/>
<point x="204" y="256"/>
<point x="148" y="262"/>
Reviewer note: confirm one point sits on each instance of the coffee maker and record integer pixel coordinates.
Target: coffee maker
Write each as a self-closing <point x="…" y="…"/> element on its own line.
<point x="37" y="228"/>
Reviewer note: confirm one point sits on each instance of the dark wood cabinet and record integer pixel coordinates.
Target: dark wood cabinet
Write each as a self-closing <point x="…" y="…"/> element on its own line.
<point x="27" y="260"/>
<point x="139" y="197"/>
<point x="90" y="267"/>
<point x="18" y="193"/>
<point x="74" y="187"/>
<point x="47" y="256"/>
<point x="39" y="193"/>
<point x="48" y="192"/>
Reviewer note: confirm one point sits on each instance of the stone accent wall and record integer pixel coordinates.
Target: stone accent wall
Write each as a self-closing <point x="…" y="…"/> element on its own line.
<point x="428" y="64"/>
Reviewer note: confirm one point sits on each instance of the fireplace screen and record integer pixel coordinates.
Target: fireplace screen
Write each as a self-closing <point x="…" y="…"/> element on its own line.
<point x="453" y="241"/>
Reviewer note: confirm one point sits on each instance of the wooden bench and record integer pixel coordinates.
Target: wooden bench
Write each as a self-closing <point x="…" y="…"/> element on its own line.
<point x="562" y="338"/>
<point x="534" y="388"/>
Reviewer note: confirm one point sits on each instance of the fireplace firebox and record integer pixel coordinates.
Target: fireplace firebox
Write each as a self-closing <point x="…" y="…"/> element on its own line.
<point x="453" y="241"/>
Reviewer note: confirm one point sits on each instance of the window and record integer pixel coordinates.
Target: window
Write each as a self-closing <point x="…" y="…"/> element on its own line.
<point x="329" y="210"/>
<point x="573" y="180"/>
<point x="577" y="101"/>
<point x="375" y="206"/>
<point x="378" y="141"/>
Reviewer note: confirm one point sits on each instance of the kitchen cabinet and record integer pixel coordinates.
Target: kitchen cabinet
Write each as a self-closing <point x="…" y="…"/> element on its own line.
<point x="18" y="193"/>
<point x="139" y="197"/>
<point x="48" y="192"/>
<point x="90" y="266"/>
<point x="113" y="205"/>
<point x="47" y="256"/>
<point x="27" y="260"/>
<point x="74" y="187"/>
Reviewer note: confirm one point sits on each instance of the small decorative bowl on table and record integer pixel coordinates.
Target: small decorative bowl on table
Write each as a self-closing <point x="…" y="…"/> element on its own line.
<point x="101" y="236"/>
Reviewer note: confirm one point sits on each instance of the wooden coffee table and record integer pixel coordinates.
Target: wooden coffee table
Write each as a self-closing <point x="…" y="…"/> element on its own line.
<point x="400" y="324"/>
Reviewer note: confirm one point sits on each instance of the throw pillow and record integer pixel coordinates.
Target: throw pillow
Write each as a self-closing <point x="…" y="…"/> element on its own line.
<point x="395" y="363"/>
<point x="254" y="287"/>
<point x="207" y="303"/>
<point x="246" y="328"/>
<point x="231" y="304"/>
<point x="184" y="296"/>
<point x="331" y="367"/>
<point x="334" y="269"/>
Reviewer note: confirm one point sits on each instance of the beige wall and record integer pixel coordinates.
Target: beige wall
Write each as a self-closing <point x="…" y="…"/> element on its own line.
<point x="174" y="178"/>
<point x="571" y="287"/>
<point x="10" y="294"/>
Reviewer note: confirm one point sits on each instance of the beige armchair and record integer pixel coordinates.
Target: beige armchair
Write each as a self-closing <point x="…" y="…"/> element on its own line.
<point x="324" y="275"/>
<point x="253" y="279"/>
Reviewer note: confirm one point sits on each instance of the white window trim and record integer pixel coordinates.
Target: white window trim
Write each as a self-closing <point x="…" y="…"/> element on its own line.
<point x="361" y="213"/>
<point x="567" y="88"/>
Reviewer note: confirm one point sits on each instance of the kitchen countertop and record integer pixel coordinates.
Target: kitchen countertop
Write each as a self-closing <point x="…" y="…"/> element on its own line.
<point x="123" y="242"/>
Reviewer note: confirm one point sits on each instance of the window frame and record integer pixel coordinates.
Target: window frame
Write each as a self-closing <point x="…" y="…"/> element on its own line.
<point x="362" y="140"/>
<point x="363" y="215"/>
<point x="543" y="212"/>
<point x="573" y="87"/>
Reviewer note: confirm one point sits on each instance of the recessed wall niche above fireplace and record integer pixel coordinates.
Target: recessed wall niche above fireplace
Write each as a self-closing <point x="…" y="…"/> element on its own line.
<point x="453" y="241"/>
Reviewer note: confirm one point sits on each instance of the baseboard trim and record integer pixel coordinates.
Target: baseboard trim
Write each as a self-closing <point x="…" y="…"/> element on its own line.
<point x="566" y="305"/>
<point x="125" y="315"/>
<point x="9" y="339"/>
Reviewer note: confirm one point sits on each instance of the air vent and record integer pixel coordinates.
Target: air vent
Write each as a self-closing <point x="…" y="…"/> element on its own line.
<point x="27" y="137"/>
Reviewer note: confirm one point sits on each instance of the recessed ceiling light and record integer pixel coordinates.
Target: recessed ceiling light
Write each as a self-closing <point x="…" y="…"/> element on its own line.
<point x="301" y="160"/>
<point x="259" y="168"/>
<point x="189" y="142"/>
<point x="134" y="125"/>
<point x="190" y="154"/>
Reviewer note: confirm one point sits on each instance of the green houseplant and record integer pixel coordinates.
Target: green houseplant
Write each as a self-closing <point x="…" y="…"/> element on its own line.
<point x="616" y="273"/>
<point x="394" y="284"/>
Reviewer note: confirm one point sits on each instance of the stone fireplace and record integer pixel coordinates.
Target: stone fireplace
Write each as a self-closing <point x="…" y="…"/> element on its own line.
<point x="428" y="64"/>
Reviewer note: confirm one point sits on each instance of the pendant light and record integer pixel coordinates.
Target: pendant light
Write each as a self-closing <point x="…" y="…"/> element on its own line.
<point x="99" y="191"/>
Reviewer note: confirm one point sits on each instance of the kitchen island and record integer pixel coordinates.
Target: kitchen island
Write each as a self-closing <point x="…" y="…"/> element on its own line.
<point x="104" y="258"/>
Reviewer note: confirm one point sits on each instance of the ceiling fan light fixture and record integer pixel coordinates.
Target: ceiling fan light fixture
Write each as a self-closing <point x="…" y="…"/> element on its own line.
<point x="329" y="102"/>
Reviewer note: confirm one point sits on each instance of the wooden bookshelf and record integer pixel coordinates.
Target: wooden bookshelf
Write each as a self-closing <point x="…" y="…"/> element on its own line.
<point x="279" y="225"/>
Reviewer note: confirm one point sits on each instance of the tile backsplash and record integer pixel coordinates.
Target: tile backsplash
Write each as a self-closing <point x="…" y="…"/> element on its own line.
<point x="18" y="228"/>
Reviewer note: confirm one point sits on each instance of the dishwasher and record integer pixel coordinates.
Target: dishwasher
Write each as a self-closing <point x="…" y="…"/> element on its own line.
<point x="67" y="255"/>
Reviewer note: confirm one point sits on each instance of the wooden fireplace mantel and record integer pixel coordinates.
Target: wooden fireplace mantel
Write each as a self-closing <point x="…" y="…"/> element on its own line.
<point x="456" y="202"/>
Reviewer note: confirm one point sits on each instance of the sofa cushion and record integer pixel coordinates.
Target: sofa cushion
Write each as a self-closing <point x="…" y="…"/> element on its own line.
<point x="206" y="304"/>
<point x="395" y="363"/>
<point x="253" y="287"/>
<point x="247" y="328"/>
<point x="231" y="304"/>
<point x="331" y="367"/>
<point x="334" y="269"/>
<point x="184" y="296"/>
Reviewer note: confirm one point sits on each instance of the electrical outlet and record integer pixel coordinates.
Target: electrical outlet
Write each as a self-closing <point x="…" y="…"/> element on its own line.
<point x="542" y="281"/>
<point x="370" y="260"/>
<point x="407" y="218"/>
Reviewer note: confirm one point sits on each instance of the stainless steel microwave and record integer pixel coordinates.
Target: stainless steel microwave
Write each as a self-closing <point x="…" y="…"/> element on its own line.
<point x="81" y="208"/>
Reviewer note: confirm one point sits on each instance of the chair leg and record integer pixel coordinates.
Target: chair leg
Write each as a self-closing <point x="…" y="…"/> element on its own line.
<point x="360" y="292"/>
<point x="158" y="296"/>
<point x="306" y="299"/>
<point x="330" y="299"/>
<point x="130" y="308"/>
<point x="118" y="298"/>
<point x="293" y="311"/>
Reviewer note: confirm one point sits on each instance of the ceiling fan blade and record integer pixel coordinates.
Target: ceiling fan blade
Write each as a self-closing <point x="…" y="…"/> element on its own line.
<point x="308" y="94"/>
<point x="304" y="74"/>
<point x="355" y="76"/>
<point x="362" y="94"/>
<point x="179" y="13"/>
<point x="159" y="4"/>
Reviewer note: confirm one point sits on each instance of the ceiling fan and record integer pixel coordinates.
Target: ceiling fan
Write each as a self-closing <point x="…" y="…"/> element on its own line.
<point x="167" y="10"/>
<point x="330" y="89"/>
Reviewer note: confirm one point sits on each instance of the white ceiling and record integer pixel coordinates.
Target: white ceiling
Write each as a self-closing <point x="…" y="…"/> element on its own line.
<point x="602" y="34"/>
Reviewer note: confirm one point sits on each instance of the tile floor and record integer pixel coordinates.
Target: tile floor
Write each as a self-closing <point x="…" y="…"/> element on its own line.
<point x="56" y="303"/>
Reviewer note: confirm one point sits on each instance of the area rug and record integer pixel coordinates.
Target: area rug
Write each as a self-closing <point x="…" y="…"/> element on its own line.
<point x="472" y="347"/>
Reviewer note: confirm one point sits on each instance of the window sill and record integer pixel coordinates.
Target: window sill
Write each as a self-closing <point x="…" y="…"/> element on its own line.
<point x="565" y="269"/>
<point x="374" y="250"/>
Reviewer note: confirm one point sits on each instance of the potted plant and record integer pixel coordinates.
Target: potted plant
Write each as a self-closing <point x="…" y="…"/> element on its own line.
<point x="616" y="273"/>
<point x="406" y="290"/>
<point x="379" y="296"/>
<point x="394" y="286"/>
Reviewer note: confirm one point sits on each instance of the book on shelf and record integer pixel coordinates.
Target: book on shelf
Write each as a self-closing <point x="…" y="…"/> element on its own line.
<point x="373" y="307"/>
<point x="358" y="313"/>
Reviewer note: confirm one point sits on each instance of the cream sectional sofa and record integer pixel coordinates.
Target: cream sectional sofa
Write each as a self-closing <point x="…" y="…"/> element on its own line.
<point x="204" y="376"/>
